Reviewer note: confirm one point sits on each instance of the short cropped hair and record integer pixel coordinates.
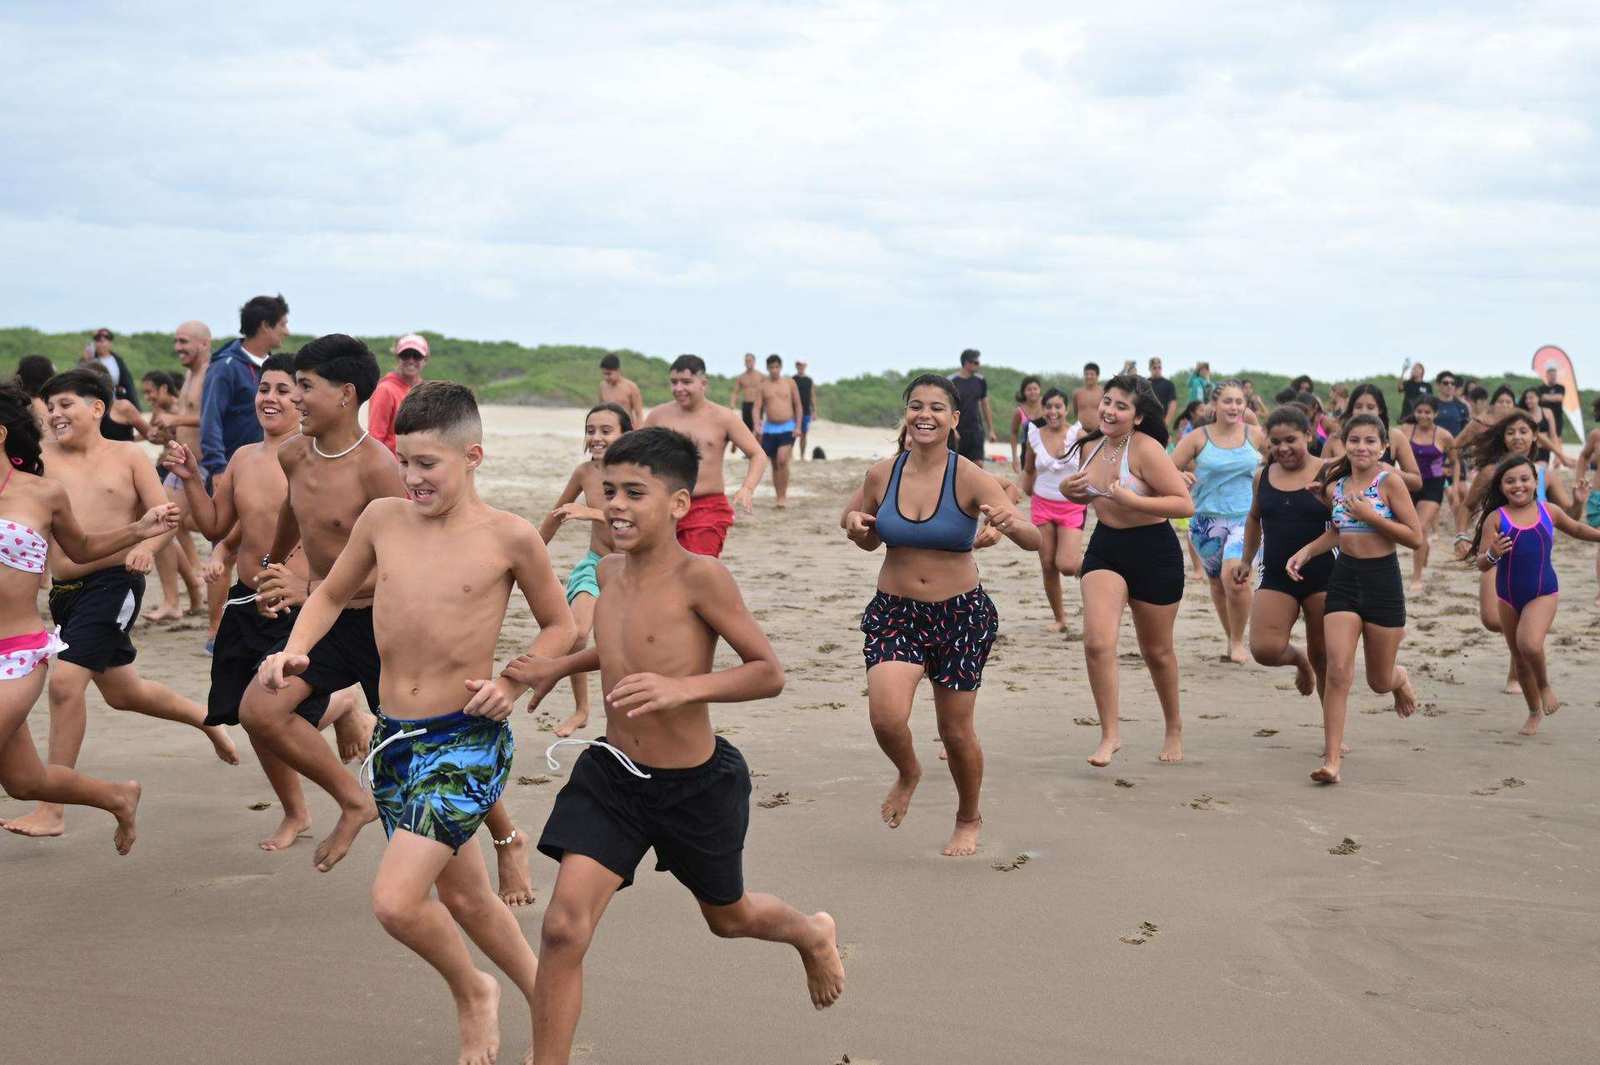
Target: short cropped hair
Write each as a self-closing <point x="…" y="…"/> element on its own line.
<point x="774" y="359"/>
<point x="1095" y="366"/>
<point x="668" y="455"/>
<point x="971" y="355"/>
<point x="161" y="379"/>
<point x="610" y="362"/>
<point x="279" y="362"/>
<point x="260" y="311"/>
<point x="342" y="359"/>
<point x="80" y="381"/>
<point x="691" y="363"/>
<point x="442" y="407"/>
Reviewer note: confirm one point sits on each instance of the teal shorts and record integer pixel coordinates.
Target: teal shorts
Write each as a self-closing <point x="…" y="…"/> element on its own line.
<point x="1591" y="509"/>
<point x="582" y="578"/>
<point x="439" y="784"/>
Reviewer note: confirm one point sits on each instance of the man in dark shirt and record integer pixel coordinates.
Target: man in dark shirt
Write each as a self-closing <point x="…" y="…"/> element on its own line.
<point x="808" y="405"/>
<point x="228" y="404"/>
<point x="1414" y="387"/>
<point x="1450" y="412"/>
<point x="1551" y="398"/>
<point x="123" y="386"/>
<point x="1165" y="391"/>
<point x="976" y="425"/>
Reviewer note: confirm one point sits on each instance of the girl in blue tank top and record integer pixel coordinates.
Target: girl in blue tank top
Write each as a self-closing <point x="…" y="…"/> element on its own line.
<point x="1220" y="462"/>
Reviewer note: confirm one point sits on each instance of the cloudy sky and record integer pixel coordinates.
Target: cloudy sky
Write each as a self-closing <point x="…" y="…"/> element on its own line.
<point x="869" y="185"/>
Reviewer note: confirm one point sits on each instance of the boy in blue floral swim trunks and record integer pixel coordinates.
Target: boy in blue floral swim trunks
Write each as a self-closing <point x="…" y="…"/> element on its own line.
<point x="441" y="563"/>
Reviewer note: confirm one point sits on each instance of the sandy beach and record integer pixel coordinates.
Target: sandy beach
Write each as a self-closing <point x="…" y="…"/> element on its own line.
<point x="1204" y="912"/>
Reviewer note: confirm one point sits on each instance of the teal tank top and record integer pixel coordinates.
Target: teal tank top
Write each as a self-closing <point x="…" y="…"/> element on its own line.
<point x="1224" y="478"/>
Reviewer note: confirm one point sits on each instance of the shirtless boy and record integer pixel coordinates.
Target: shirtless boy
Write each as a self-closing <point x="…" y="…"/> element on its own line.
<point x="663" y="779"/>
<point x="110" y="483"/>
<point x="601" y="426"/>
<point x="438" y="569"/>
<point x="334" y="470"/>
<point x="778" y="415"/>
<point x="746" y="390"/>
<point x="191" y="342"/>
<point x="705" y="528"/>
<point x="1086" y="400"/>
<point x="249" y="493"/>
<point x="614" y="388"/>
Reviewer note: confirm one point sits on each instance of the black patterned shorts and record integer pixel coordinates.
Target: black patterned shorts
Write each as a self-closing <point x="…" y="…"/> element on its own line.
<point x="950" y="640"/>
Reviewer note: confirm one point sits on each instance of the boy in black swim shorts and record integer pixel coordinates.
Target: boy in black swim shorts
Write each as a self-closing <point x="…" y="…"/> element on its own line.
<point x="660" y="779"/>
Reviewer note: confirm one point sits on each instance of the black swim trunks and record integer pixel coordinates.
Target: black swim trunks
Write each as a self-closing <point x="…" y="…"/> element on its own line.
<point x="747" y="411"/>
<point x="347" y="655"/>
<point x="96" y="613"/>
<point x="1146" y="557"/>
<point x="694" y="818"/>
<point x="772" y="443"/>
<point x="244" y="637"/>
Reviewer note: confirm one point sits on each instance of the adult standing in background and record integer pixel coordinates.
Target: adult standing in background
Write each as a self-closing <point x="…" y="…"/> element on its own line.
<point x="615" y="388"/>
<point x="410" y="352"/>
<point x="1165" y="391"/>
<point x="976" y="425"/>
<point x="746" y="390"/>
<point x="1450" y="413"/>
<point x="228" y="405"/>
<point x="1552" y="394"/>
<point x="1414" y="386"/>
<point x="191" y="343"/>
<point x="123" y="385"/>
<point x="1200" y="383"/>
<point x="808" y="403"/>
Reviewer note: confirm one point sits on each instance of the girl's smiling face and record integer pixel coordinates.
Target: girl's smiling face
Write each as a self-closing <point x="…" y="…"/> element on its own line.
<point x="599" y="430"/>
<point x="1055" y="412"/>
<point x="1518" y="438"/>
<point x="1288" y="446"/>
<point x="1364" y="447"/>
<point x="1230" y="403"/>
<point x="1118" y="416"/>
<point x="1030" y="393"/>
<point x="1520" y="484"/>
<point x="929" y="416"/>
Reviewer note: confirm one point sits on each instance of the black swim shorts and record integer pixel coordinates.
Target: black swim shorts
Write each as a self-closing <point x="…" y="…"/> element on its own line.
<point x="347" y="655"/>
<point x="244" y="637"/>
<point x="96" y="612"/>
<point x="1146" y="557"/>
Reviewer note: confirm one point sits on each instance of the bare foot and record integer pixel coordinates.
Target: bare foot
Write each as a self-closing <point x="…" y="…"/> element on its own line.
<point x="288" y="830"/>
<point x="1328" y="774"/>
<point x="1528" y="729"/>
<point x="964" y="840"/>
<point x="898" y="801"/>
<point x="1057" y="626"/>
<point x="337" y="843"/>
<point x="1172" y="748"/>
<point x="48" y="820"/>
<point x="1513" y="686"/>
<point x="1238" y="655"/>
<point x="127" y="808"/>
<point x="352" y="731"/>
<point x="1102" y="754"/>
<point x="478" y="1016"/>
<point x="1414" y="589"/>
<point x="824" y="969"/>
<point x="1552" y="701"/>
<point x="516" y="883"/>
<point x="162" y="614"/>
<point x="1305" y="678"/>
<point x="579" y="719"/>
<point x="1405" y="697"/>
<point x="1344" y="749"/>
<point x="222" y="743"/>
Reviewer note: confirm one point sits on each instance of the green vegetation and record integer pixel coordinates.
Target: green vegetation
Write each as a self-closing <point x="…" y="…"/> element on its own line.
<point x="567" y="375"/>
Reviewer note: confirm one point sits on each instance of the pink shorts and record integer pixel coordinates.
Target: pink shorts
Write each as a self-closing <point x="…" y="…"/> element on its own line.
<point x="1062" y="512"/>
<point x="21" y="655"/>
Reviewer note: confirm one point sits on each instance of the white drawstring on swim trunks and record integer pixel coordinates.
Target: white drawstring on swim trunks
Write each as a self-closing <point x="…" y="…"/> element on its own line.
<point x="627" y="763"/>
<point x="365" y="773"/>
<point x="242" y="600"/>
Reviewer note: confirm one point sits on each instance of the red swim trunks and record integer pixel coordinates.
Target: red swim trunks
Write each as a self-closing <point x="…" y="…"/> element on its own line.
<point x="705" y="528"/>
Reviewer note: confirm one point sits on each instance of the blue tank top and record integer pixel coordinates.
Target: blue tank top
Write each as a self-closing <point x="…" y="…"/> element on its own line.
<point x="1224" y="478"/>
<point x="1341" y="518"/>
<point x="948" y="528"/>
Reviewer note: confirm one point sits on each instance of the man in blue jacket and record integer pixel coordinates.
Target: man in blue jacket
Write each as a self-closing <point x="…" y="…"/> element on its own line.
<point x="228" y="406"/>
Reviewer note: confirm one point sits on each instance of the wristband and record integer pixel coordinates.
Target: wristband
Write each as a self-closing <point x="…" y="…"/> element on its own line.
<point x="1492" y="558"/>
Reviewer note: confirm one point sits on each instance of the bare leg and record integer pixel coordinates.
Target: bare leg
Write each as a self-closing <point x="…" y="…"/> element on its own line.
<point x="352" y="724"/>
<point x="583" y="889"/>
<point x="780" y="474"/>
<point x="1342" y="630"/>
<point x="1272" y="618"/>
<point x="891" y="686"/>
<point x="69" y="715"/>
<point x="189" y="569"/>
<point x="403" y="902"/>
<point x="769" y="918"/>
<point x="1153" y="624"/>
<point x="123" y="689"/>
<point x="1385" y="675"/>
<point x="1068" y="552"/>
<point x="583" y="614"/>
<point x="1428" y="515"/>
<point x="1238" y="598"/>
<point x="291" y="797"/>
<point x="217" y="601"/>
<point x="465" y="890"/>
<point x="1104" y="595"/>
<point x="167" y="572"/>
<point x="1529" y="633"/>
<point x="516" y="882"/>
<point x="1316" y="641"/>
<point x="1597" y="574"/>
<point x="269" y="717"/>
<point x="1052" y="576"/>
<point x="1489" y="615"/>
<point x="955" y="712"/>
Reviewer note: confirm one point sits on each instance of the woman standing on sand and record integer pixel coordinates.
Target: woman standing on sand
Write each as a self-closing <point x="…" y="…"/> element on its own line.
<point x="1371" y="512"/>
<point x="931" y="615"/>
<point x="1286" y="514"/>
<point x="1223" y="457"/>
<point x="1059" y="520"/>
<point x="1029" y="412"/>
<point x="1122" y="468"/>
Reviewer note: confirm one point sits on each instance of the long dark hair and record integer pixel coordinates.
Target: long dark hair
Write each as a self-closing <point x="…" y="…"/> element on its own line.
<point x="32" y="372"/>
<point x="1187" y="414"/>
<point x="624" y="419"/>
<point x="1023" y="387"/>
<point x="1369" y="389"/>
<point x="22" y="430"/>
<point x="932" y="380"/>
<point x="1495" y="497"/>
<point x="1490" y="448"/>
<point x="1340" y="468"/>
<point x="1148" y="412"/>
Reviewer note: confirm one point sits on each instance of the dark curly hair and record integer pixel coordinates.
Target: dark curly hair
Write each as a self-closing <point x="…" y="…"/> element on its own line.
<point x="22" y="430"/>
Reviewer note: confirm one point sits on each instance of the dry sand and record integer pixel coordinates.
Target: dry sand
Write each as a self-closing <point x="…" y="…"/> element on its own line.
<point x="1194" y="913"/>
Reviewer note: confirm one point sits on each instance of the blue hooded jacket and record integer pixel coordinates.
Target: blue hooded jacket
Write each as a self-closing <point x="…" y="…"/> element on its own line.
<point x="228" y="408"/>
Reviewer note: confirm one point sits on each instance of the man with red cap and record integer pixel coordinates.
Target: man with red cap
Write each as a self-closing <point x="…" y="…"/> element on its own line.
<point x="410" y="352"/>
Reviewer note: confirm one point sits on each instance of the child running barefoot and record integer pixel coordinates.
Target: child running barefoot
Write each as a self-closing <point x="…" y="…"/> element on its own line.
<point x="1121" y="466"/>
<point x="441" y="565"/>
<point x="659" y="778"/>
<point x="1286" y="514"/>
<point x="1371" y="512"/>
<point x="603" y="424"/>
<point x="34" y="511"/>
<point x="931" y="615"/>
<point x="1435" y="450"/>
<point x="1517" y="548"/>
<point x="1059" y="520"/>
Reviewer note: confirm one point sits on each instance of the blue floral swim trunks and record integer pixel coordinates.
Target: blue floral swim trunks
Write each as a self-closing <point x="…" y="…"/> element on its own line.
<point x="440" y="780"/>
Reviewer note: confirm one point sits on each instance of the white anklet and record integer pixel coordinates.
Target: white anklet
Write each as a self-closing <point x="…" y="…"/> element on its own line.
<point x="508" y="841"/>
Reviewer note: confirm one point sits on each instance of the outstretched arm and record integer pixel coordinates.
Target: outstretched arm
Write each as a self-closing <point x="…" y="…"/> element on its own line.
<point x="212" y="514"/>
<point x="82" y="547"/>
<point x="745" y="441"/>
<point x="350" y="571"/>
<point x="557" y="516"/>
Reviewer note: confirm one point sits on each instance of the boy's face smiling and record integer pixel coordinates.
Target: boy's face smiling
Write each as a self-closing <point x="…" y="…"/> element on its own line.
<point x="317" y="399"/>
<point x="688" y="388"/>
<point x="640" y="507"/>
<point x="73" y="417"/>
<point x="435" y="469"/>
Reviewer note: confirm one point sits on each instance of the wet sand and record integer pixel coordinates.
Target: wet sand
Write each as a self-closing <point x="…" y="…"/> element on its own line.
<point x="1204" y="912"/>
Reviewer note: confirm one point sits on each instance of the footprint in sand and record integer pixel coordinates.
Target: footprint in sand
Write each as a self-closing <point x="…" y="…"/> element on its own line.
<point x="1214" y="717"/>
<point x="1347" y="846"/>
<point x="1145" y="934"/>
<point x="1206" y="802"/>
<point x="779" y="798"/>
<point x="1266" y="732"/>
<point x="1121" y="783"/>
<point x="262" y="805"/>
<point x="1016" y="863"/>
<point x="1086" y="722"/>
<point x="525" y="781"/>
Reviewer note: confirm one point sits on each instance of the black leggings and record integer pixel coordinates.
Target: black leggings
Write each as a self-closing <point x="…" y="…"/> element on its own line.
<point x="1147" y="557"/>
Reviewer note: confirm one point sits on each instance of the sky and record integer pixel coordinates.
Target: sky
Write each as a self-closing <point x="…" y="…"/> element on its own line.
<point x="1273" y="186"/>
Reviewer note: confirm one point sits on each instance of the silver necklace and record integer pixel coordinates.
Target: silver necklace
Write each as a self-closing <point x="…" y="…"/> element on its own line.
<point x="341" y="454"/>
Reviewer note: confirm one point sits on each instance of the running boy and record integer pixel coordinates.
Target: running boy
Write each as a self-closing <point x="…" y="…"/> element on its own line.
<point x="778" y="415"/>
<point x="614" y="388"/>
<point x="440" y="569"/>
<point x="669" y="782"/>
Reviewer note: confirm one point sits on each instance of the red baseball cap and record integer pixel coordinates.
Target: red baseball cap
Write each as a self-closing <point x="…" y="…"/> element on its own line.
<point x="411" y="342"/>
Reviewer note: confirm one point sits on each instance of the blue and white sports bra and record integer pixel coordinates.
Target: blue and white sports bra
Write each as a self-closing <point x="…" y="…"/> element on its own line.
<point x="948" y="528"/>
<point x="1342" y="520"/>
